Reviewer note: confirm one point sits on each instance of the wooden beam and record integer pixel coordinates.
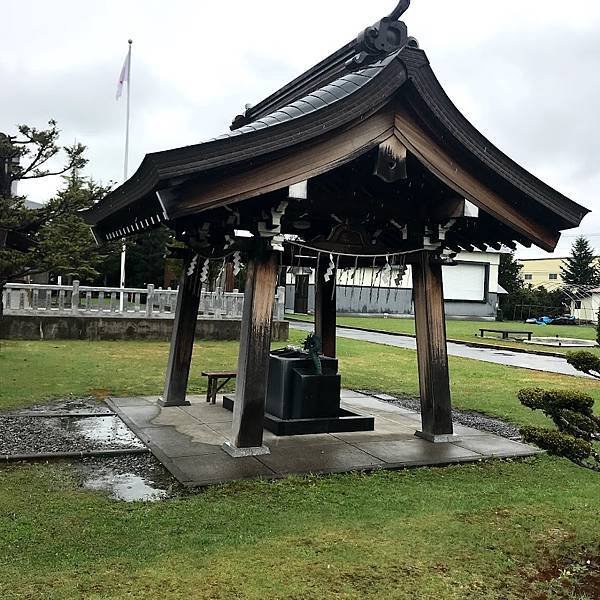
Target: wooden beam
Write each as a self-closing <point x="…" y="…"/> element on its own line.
<point x="325" y="309"/>
<point x="295" y="168"/>
<point x="441" y="164"/>
<point x="449" y="208"/>
<point x="253" y="360"/>
<point x="432" y="357"/>
<point x="182" y="339"/>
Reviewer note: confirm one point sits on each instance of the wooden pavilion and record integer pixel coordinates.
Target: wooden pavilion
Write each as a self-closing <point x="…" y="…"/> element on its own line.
<point x="363" y="159"/>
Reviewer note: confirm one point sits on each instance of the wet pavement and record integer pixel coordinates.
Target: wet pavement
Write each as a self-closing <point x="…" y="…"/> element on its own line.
<point x="188" y="441"/>
<point x="535" y="362"/>
<point x="472" y="419"/>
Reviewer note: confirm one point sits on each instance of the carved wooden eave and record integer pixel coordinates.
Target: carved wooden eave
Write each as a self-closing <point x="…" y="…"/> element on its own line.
<point x="328" y="118"/>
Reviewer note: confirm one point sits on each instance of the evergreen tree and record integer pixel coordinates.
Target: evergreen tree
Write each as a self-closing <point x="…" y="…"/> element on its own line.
<point x="145" y="260"/>
<point x="509" y="273"/>
<point x="57" y="239"/>
<point x="52" y="238"/>
<point x="580" y="268"/>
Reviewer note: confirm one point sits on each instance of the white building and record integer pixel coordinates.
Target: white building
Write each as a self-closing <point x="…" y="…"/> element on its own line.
<point x="470" y="288"/>
<point x="586" y="306"/>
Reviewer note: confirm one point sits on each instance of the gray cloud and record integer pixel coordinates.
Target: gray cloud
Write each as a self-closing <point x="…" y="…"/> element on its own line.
<point x="525" y="73"/>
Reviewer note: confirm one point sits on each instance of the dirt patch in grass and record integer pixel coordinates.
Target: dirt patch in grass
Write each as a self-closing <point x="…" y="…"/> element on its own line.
<point x="99" y="393"/>
<point x="567" y="578"/>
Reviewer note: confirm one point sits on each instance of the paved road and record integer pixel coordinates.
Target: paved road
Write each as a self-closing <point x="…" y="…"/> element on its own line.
<point x="550" y="364"/>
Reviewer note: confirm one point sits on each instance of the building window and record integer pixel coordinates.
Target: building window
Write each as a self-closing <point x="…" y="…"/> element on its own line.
<point x="528" y="276"/>
<point x="577" y="304"/>
<point x="553" y="276"/>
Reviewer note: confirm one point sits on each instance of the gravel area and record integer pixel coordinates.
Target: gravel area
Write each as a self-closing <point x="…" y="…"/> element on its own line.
<point x="26" y="432"/>
<point x="72" y="405"/>
<point x="44" y="428"/>
<point x="465" y="418"/>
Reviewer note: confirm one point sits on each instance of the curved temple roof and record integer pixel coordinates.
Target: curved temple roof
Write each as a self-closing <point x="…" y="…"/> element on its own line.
<point x="327" y="99"/>
<point x="170" y="165"/>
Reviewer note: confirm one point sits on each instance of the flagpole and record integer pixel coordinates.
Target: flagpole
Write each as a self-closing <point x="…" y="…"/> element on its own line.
<point x="125" y="173"/>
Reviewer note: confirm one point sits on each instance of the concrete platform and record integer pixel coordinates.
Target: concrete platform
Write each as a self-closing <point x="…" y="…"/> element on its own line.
<point x="187" y="441"/>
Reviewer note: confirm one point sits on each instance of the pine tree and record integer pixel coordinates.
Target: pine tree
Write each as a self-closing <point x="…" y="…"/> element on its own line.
<point x="145" y="260"/>
<point x="60" y="242"/>
<point x="580" y="268"/>
<point x="52" y="238"/>
<point x="509" y="273"/>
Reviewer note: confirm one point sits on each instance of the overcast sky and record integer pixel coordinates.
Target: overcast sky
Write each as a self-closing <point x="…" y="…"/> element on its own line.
<point x="525" y="73"/>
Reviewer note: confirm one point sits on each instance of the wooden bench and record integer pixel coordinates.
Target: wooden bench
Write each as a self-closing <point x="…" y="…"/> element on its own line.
<point x="213" y="383"/>
<point x="506" y="332"/>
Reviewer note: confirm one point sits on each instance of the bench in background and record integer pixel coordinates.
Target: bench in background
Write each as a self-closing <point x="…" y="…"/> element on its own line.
<point x="506" y="333"/>
<point x="213" y="383"/>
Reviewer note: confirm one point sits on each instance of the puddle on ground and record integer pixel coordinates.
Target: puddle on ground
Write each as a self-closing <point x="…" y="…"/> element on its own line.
<point x="127" y="487"/>
<point x="102" y="431"/>
<point x="139" y="478"/>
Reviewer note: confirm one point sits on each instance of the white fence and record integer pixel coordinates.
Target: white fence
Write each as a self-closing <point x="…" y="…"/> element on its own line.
<point x="76" y="300"/>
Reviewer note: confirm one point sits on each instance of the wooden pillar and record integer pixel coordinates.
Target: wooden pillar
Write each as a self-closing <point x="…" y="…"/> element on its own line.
<point x="253" y="361"/>
<point x="325" y="308"/>
<point x="229" y="278"/>
<point x="182" y="339"/>
<point x="432" y="356"/>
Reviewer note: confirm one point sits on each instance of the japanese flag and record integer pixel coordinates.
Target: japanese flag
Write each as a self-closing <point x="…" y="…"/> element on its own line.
<point x="124" y="77"/>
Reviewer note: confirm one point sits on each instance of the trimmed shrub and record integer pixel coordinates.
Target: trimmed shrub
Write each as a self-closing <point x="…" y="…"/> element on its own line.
<point x="532" y="398"/>
<point x="553" y="400"/>
<point x="586" y="424"/>
<point x="578" y="429"/>
<point x="567" y="400"/>
<point x="557" y="443"/>
<point x="586" y="362"/>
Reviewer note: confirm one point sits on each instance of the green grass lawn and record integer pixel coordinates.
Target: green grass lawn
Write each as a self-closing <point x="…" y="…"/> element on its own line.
<point x="37" y="370"/>
<point x="489" y="531"/>
<point x="468" y="331"/>
<point x="498" y="530"/>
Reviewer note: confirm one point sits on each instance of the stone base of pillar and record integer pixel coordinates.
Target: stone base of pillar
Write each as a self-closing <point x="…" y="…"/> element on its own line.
<point x="244" y="452"/>
<point x="439" y="438"/>
<point x="161" y="402"/>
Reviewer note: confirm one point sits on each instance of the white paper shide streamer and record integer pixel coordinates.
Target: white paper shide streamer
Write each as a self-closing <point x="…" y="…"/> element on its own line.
<point x="237" y="263"/>
<point x="204" y="272"/>
<point x="330" y="269"/>
<point x="192" y="266"/>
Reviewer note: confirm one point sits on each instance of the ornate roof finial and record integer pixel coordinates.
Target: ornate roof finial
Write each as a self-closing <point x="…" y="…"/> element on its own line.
<point x="382" y="38"/>
<point x="399" y="10"/>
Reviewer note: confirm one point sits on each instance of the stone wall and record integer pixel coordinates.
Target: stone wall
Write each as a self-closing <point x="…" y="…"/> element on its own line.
<point x="35" y="327"/>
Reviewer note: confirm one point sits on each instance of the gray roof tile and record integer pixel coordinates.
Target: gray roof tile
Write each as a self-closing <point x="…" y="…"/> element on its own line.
<point x="332" y="92"/>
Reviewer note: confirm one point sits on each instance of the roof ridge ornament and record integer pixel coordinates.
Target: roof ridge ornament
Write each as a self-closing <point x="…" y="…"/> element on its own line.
<point x="381" y="39"/>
